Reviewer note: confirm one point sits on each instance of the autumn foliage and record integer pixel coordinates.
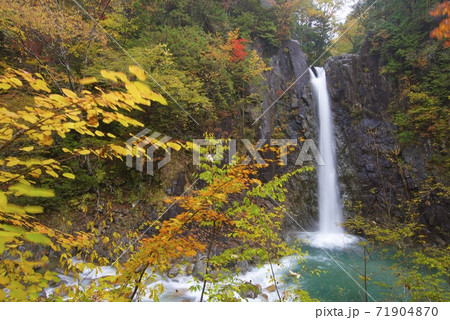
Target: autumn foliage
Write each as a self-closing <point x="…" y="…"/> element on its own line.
<point x="27" y="135"/>
<point x="443" y="30"/>
<point x="239" y="52"/>
<point x="224" y="221"/>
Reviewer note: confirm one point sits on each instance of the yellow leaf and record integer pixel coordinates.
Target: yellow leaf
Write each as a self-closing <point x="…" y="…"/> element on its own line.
<point x="16" y="81"/>
<point x="148" y="93"/>
<point x="84" y="152"/>
<point x="36" y="173"/>
<point x="122" y="76"/>
<point x="159" y="98"/>
<point x="110" y="135"/>
<point x="118" y="149"/>
<point x="143" y="89"/>
<point x="29" y="117"/>
<point x="48" y="161"/>
<point x="60" y="99"/>
<point x="99" y="133"/>
<point x="3" y="281"/>
<point x="52" y="173"/>
<point x="68" y="175"/>
<point x="13" y="162"/>
<point x="45" y="140"/>
<point x="73" y="117"/>
<point x="133" y="90"/>
<point x="108" y="75"/>
<point x="88" y="80"/>
<point x="40" y="85"/>
<point x="4" y="86"/>
<point x="27" y="149"/>
<point x="174" y="146"/>
<point x="69" y="93"/>
<point x="138" y="72"/>
<point x="189" y="145"/>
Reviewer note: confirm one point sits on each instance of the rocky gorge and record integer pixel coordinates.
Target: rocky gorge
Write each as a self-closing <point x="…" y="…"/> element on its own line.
<point x="371" y="179"/>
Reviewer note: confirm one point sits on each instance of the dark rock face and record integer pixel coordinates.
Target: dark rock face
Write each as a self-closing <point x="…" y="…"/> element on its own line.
<point x="285" y="112"/>
<point x="365" y="138"/>
<point x="176" y="189"/>
<point x="367" y="147"/>
<point x="290" y="117"/>
<point x="368" y="150"/>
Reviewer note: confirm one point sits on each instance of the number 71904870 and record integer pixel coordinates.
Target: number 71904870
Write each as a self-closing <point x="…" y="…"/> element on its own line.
<point x="404" y="311"/>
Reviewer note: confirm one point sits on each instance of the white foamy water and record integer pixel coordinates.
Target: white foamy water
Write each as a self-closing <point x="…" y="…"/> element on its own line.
<point x="330" y="208"/>
<point x="328" y="240"/>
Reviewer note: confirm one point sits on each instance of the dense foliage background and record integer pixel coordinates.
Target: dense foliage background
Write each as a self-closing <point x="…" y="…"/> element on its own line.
<point x="69" y="100"/>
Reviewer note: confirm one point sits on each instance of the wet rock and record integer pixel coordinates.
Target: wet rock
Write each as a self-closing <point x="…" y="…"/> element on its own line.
<point x="199" y="268"/>
<point x="43" y="295"/>
<point x="271" y="288"/>
<point x="189" y="269"/>
<point x="250" y="291"/>
<point x="290" y="117"/>
<point x="173" y="272"/>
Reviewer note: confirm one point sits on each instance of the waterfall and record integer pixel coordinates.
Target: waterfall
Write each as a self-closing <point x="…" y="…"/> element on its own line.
<point x="330" y="208"/>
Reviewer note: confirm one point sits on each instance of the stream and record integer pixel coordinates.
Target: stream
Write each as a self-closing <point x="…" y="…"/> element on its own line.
<point x="329" y="273"/>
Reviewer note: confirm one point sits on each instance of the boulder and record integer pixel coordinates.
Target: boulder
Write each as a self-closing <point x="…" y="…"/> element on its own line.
<point x="249" y="290"/>
<point x="173" y="272"/>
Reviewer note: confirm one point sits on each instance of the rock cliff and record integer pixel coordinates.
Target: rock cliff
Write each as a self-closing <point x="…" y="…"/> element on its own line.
<point x="370" y="178"/>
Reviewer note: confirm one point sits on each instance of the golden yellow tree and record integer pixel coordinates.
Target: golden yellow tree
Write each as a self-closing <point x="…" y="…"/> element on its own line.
<point x="26" y="135"/>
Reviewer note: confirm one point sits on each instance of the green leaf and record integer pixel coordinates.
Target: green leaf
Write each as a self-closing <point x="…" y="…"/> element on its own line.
<point x="38" y="238"/>
<point x="8" y="236"/>
<point x="48" y="275"/>
<point x="2" y="295"/>
<point x="2" y="249"/>
<point x="3" y="200"/>
<point x="10" y="228"/>
<point x="18" y="294"/>
<point x="34" y="209"/>
<point x="12" y="208"/>
<point x="31" y="191"/>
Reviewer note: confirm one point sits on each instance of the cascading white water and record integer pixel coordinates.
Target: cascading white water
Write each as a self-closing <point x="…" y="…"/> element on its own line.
<point x="330" y="209"/>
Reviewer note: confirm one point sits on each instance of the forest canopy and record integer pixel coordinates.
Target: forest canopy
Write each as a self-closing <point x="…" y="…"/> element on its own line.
<point x="79" y="78"/>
